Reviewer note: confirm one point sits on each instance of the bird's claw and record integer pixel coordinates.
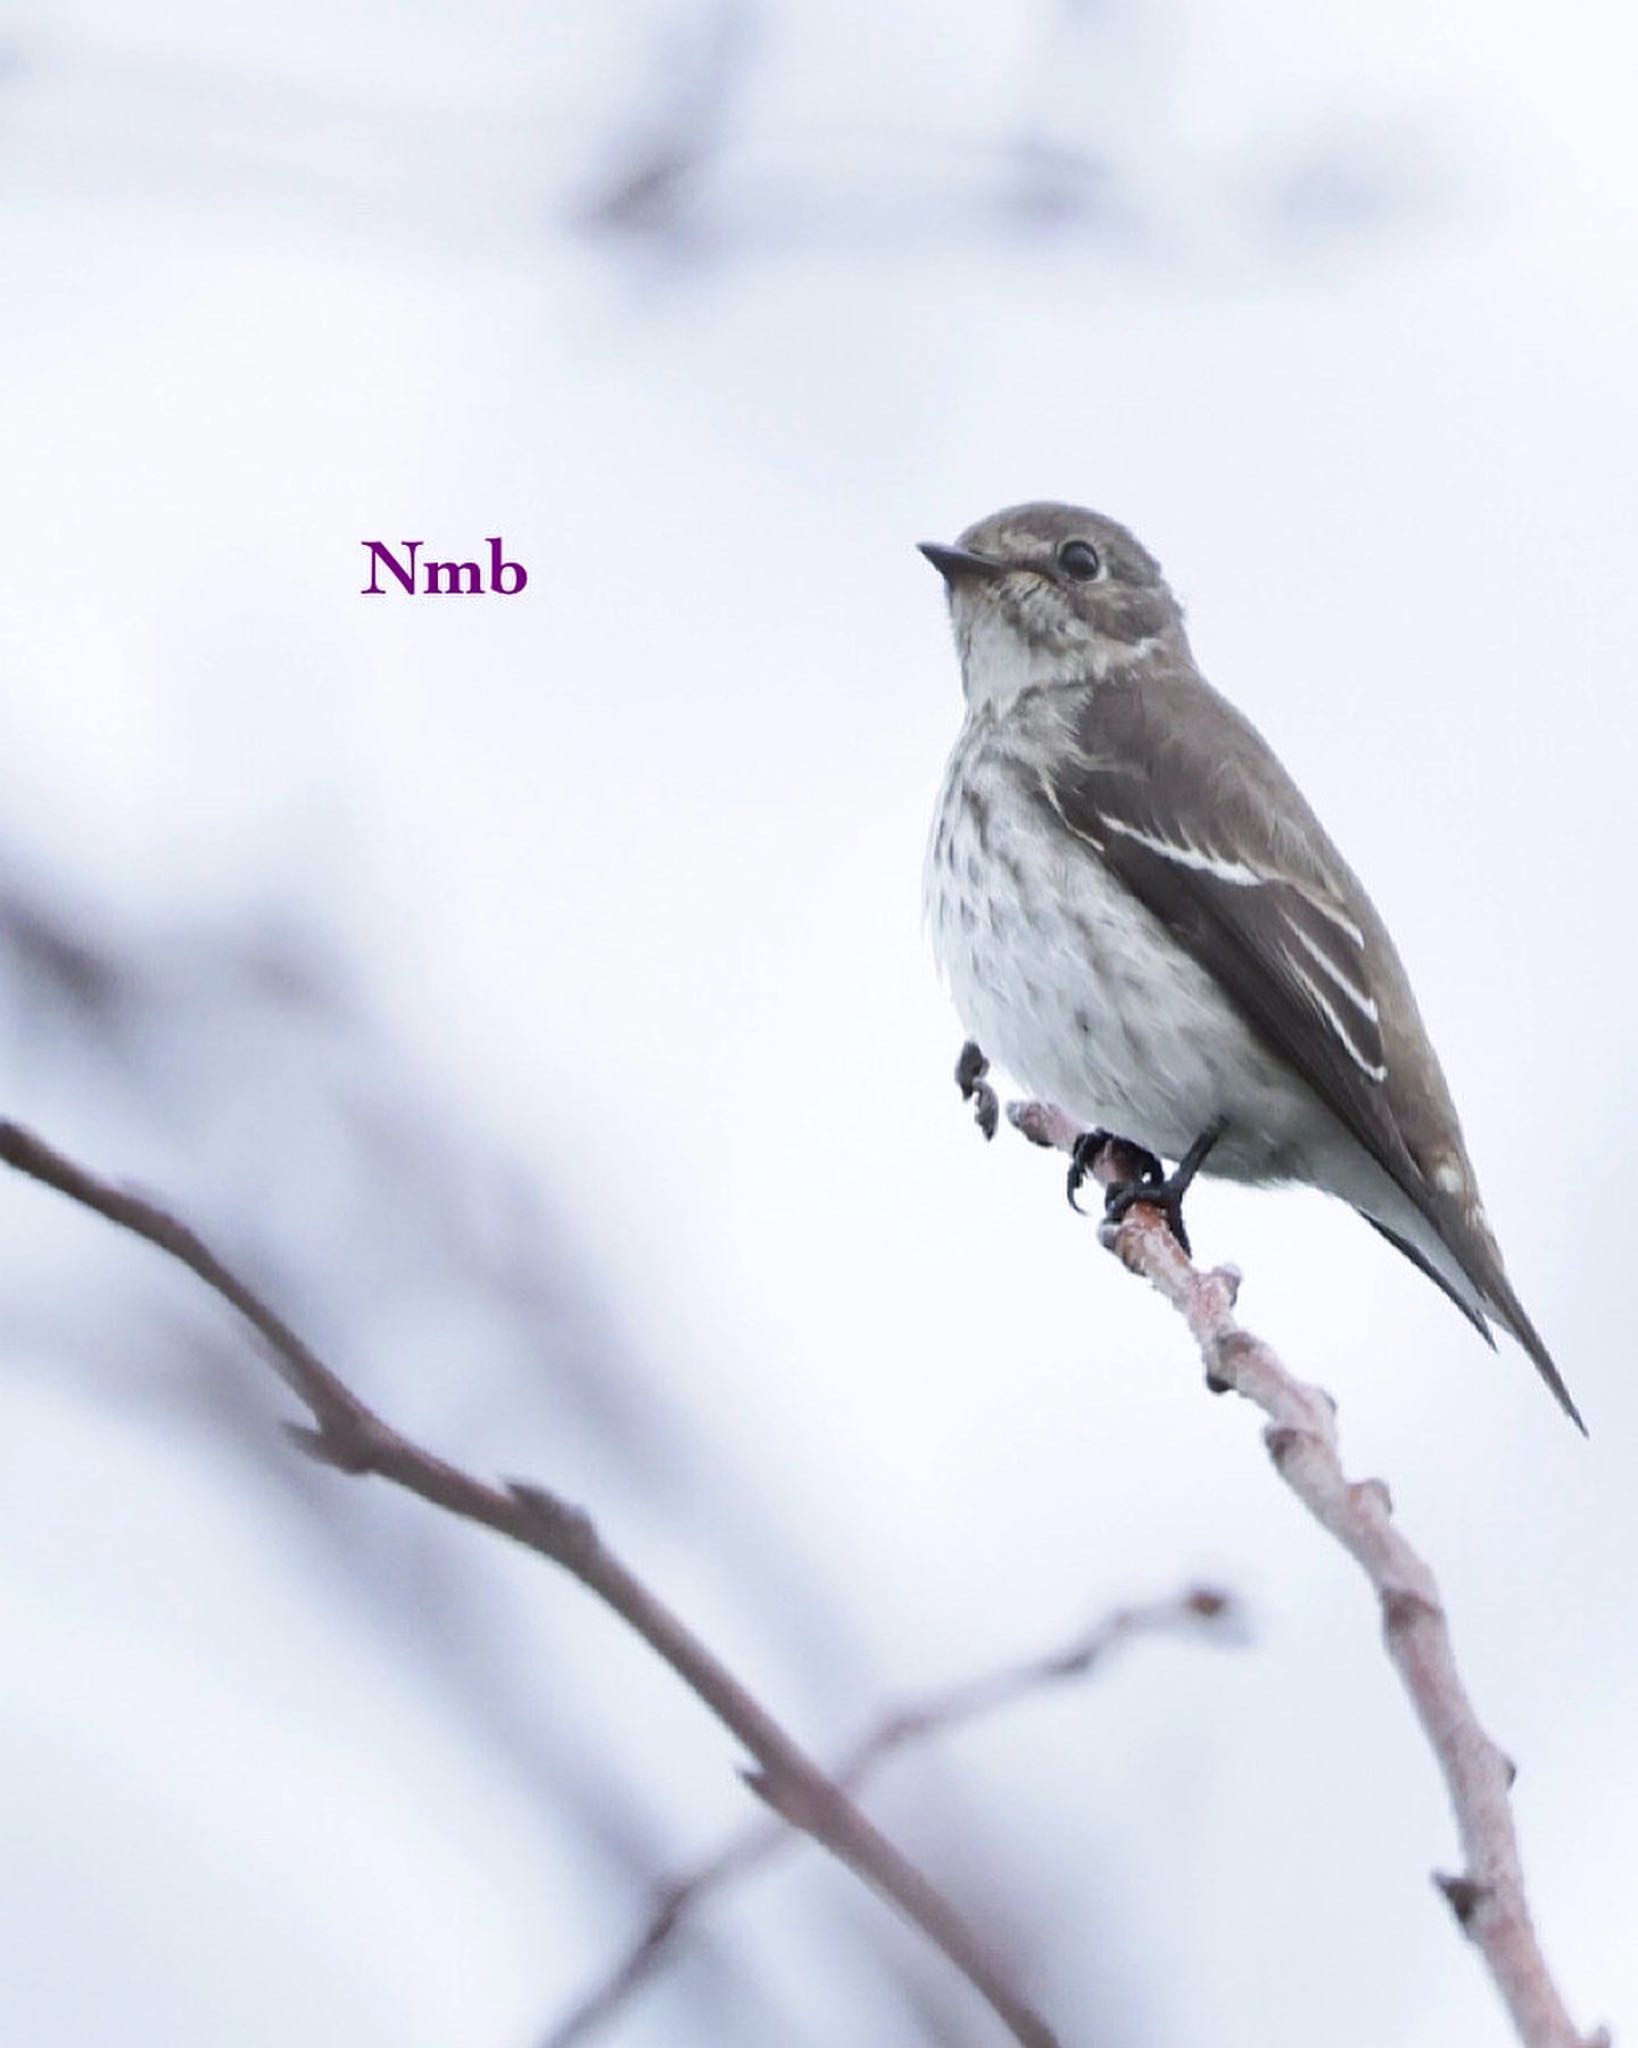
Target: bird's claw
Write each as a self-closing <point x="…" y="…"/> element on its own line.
<point x="1160" y="1194"/>
<point x="1164" y="1192"/>
<point x="971" y="1068"/>
<point x="1082" y="1155"/>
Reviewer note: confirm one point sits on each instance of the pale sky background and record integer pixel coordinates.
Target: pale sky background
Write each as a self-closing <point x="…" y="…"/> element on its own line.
<point x="530" y="993"/>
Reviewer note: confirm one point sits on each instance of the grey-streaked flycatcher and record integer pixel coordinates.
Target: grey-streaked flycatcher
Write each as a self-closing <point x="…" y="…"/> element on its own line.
<point x="1140" y="918"/>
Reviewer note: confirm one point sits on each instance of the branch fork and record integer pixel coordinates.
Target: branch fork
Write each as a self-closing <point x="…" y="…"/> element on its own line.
<point x="346" y="1433"/>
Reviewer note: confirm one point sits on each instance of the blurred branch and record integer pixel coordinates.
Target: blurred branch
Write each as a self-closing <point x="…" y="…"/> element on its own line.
<point x="1198" y="1610"/>
<point x="1488" y="1897"/>
<point x="349" y="1435"/>
<point x="699" y="76"/>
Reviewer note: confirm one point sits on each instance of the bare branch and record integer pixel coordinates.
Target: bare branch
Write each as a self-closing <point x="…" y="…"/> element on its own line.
<point x="349" y="1435"/>
<point x="1488" y="1898"/>
<point x="1196" y="1611"/>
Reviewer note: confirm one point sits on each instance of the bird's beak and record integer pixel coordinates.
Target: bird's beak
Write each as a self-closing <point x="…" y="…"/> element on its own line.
<point x="960" y="565"/>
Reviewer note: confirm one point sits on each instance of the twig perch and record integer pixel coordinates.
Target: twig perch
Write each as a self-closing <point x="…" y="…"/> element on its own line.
<point x="349" y="1435"/>
<point x="1488" y="1897"/>
<point x="679" y="1899"/>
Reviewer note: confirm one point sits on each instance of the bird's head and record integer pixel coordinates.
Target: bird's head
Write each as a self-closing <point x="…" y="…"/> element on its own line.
<point x="1044" y="594"/>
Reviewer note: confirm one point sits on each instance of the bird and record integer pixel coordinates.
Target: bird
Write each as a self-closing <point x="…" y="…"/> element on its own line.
<point x="1140" y="918"/>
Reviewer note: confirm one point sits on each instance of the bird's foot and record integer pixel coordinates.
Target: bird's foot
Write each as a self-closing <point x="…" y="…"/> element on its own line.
<point x="1138" y="1165"/>
<point x="971" y="1068"/>
<point x="1161" y="1191"/>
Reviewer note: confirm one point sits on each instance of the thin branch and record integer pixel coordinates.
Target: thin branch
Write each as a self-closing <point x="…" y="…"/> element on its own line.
<point x="1488" y="1897"/>
<point x="679" y="1899"/>
<point x="349" y="1435"/>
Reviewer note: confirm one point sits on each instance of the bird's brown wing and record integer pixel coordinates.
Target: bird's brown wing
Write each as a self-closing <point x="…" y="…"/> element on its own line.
<point x="1187" y="806"/>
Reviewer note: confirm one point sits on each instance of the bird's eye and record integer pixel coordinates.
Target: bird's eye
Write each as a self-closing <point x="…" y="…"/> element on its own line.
<point x="1079" y="559"/>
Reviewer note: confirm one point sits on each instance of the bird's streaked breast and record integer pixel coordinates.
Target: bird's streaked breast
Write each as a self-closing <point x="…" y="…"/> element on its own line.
<point x="1068" y="982"/>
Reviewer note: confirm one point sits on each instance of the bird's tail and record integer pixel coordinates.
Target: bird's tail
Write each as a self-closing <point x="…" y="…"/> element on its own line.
<point x="1508" y="1310"/>
<point x="1459" y="1255"/>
